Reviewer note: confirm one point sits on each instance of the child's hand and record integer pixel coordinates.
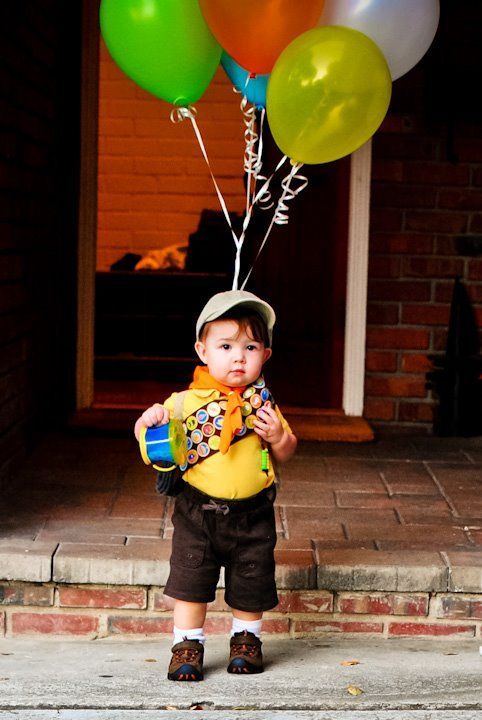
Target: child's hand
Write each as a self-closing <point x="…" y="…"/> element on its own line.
<point x="268" y="425"/>
<point x="157" y="414"/>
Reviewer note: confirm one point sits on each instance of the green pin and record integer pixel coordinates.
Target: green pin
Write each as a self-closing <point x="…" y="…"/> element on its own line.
<point x="265" y="459"/>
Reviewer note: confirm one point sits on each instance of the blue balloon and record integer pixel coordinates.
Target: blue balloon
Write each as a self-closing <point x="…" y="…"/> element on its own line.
<point x="255" y="89"/>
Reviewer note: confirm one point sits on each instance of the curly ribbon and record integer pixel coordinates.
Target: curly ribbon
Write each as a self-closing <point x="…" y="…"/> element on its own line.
<point x="280" y="215"/>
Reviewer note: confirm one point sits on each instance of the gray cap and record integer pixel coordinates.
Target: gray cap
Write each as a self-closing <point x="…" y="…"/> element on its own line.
<point x="224" y="301"/>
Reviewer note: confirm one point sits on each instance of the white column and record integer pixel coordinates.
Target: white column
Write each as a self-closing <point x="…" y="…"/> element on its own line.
<point x="357" y="276"/>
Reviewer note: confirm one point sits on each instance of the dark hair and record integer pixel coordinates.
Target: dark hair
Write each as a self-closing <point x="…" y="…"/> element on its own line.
<point x="247" y="320"/>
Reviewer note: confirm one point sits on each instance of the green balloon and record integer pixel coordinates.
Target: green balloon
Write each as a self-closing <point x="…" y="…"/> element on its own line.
<point x="165" y="46"/>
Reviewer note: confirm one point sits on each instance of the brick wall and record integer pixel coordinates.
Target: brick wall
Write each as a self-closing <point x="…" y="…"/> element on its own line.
<point x="153" y="180"/>
<point x="38" y="80"/>
<point x="426" y="192"/>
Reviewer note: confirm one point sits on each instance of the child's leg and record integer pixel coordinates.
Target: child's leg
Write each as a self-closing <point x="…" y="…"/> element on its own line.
<point x="249" y="621"/>
<point x="188" y="647"/>
<point x="189" y="620"/>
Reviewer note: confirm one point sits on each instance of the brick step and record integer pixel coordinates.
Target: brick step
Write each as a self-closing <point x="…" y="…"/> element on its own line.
<point x="94" y="611"/>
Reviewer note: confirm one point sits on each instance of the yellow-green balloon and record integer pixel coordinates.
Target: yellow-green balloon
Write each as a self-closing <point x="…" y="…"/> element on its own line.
<point x="328" y="93"/>
<point x="165" y="46"/>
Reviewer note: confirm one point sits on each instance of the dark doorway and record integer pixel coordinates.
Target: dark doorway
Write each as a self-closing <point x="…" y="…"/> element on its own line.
<point x="302" y="272"/>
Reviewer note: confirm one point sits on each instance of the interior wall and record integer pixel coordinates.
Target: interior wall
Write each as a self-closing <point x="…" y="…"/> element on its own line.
<point x="153" y="180"/>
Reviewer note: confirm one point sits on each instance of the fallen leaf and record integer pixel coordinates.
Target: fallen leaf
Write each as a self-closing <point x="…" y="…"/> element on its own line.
<point x="150" y="660"/>
<point x="196" y="707"/>
<point x="347" y="663"/>
<point x="354" y="690"/>
<point x="170" y="707"/>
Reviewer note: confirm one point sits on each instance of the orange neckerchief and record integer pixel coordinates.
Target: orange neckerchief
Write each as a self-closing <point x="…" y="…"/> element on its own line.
<point x="232" y="419"/>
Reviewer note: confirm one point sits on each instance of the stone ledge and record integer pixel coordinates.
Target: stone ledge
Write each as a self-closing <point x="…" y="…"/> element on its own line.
<point x="146" y="562"/>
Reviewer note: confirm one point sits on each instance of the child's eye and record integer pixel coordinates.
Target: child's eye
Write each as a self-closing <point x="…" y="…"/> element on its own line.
<point x="225" y="346"/>
<point x="252" y="347"/>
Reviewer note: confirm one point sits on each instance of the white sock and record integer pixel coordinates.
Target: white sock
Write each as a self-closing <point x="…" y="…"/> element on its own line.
<point x="181" y="634"/>
<point x="252" y="626"/>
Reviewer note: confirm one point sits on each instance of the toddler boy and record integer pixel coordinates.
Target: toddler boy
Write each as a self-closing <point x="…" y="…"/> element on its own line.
<point x="224" y="515"/>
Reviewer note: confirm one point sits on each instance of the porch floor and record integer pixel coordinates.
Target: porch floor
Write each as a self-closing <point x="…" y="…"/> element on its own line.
<point x="83" y="508"/>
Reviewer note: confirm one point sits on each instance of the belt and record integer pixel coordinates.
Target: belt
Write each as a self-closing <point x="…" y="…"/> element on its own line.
<point x="224" y="506"/>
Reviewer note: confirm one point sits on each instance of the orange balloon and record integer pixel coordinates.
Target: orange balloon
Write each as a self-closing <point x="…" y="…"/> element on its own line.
<point x="255" y="32"/>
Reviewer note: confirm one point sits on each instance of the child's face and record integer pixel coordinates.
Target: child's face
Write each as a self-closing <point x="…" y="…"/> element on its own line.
<point x="232" y="355"/>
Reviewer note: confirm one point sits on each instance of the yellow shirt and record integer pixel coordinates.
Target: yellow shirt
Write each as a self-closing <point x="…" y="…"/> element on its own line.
<point x="232" y="476"/>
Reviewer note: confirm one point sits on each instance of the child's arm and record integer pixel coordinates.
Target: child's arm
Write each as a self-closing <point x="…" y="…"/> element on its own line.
<point x="268" y="426"/>
<point x="157" y="414"/>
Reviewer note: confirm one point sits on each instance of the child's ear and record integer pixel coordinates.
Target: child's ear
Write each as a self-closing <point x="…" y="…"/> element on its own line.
<point x="201" y="350"/>
<point x="267" y="354"/>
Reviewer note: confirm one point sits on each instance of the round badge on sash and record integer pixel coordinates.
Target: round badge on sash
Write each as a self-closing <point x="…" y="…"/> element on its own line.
<point x="264" y="394"/>
<point x="214" y="442"/>
<point x="203" y="449"/>
<point x="256" y="401"/>
<point x="213" y="409"/>
<point x="250" y="422"/>
<point x="192" y="457"/>
<point x="202" y="416"/>
<point x="246" y="409"/>
<point x="191" y="423"/>
<point x="241" y="431"/>
<point x="218" y="422"/>
<point x="260" y="383"/>
<point x="248" y="392"/>
<point x="208" y="429"/>
<point x="196" y="436"/>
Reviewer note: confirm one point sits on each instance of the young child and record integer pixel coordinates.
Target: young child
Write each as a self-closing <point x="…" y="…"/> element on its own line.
<point x="224" y="515"/>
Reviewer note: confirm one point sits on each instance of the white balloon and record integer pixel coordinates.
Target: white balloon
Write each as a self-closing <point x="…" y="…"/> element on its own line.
<point x="402" y="29"/>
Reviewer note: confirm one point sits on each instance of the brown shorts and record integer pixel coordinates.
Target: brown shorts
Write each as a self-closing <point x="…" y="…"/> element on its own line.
<point x="238" y="534"/>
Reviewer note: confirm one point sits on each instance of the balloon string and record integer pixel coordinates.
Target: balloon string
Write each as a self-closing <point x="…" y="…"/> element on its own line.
<point x="280" y="215"/>
<point x="178" y="115"/>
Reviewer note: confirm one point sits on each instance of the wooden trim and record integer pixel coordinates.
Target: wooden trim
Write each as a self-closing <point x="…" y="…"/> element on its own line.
<point x="87" y="204"/>
<point x="357" y="279"/>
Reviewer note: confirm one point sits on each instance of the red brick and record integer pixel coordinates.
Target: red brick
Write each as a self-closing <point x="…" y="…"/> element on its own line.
<point x="397" y="338"/>
<point x="411" y="147"/>
<point x="336" y="626"/>
<point x="476" y="223"/>
<point x="396" y="386"/>
<point x="376" y="409"/>
<point x="318" y="601"/>
<point x="436" y="221"/>
<point x="460" y="199"/>
<point x="385" y="219"/>
<point x="53" y="624"/>
<point x="218" y="625"/>
<point x="432" y="267"/>
<point x="384" y="266"/>
<point x="383" y="361"/>
<point x="453" y="607"/>
<point x="430" y="629"/>
<point x="443" y="292"/>
<point x="439" y="339"/>
<point x="382" y="313"/>
<point x="398" y="290"/>
<point x="425" y="314"/>
<point x="415" y="412"/>
<point x="436" y="173"/>
<point x="416" y="363"/>
<point x="276" y="625"/>
<point x="102" y="597"/>
<point x="382" y="604"/>
<point x="475" y="269"/>
<point x="405" y="196"/>
<point x="391" y="170"/>
<point x="125" y="625"/>
<point x="26" y="594"/>
<point x="401" y="243"/>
